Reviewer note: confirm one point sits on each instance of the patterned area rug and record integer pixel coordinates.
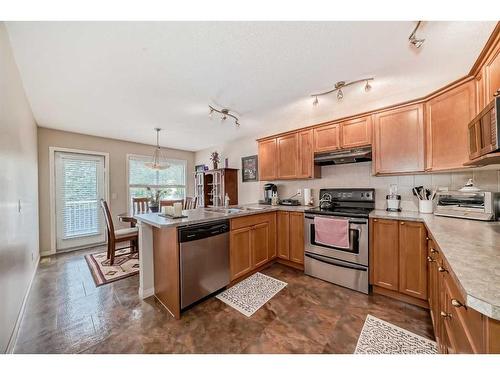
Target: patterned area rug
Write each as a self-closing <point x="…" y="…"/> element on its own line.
<point x="381" y="337"/>
<point x="125" y="265"/>
<point x="252" y="293"/>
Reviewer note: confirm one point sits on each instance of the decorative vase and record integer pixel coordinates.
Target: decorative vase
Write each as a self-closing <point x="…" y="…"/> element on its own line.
<point x="154" y="208"/>
<point x="216" y="165"/>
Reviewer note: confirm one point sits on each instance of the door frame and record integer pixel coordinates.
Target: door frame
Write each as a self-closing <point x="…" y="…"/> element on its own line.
<point x="52" y="185"/>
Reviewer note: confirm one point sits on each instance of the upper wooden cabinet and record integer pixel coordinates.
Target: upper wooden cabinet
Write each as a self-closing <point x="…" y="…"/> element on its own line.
<point x="356" y="132"/>
<point x="398" y="143"/>
<point x="289" y="156"/>
<point x="491" y="72"/>
<point x="327" y="138"/>
<point x="267" y="159"/>
<point x="447" y="116"/>
<point x="288" y="153"/>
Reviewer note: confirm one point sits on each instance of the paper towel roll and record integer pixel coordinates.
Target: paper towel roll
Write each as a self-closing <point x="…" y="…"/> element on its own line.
<point x="307" y="196"/>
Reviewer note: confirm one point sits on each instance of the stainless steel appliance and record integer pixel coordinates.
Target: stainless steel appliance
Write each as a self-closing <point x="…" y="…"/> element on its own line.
<point x="480" y="205"/>
<point x="269" y="190"/>
<point x="484" y="130"/>
<point x="347" y="267"/>
<point x="354" y="155"/>
<point x="204" y="260"/>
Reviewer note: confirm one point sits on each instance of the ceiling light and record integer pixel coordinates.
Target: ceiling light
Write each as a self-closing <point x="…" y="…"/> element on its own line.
<point x="158" y="160"/>
<point x="413" y="37"/>
<point x="340" y="95"/>
<point x="339" y="88"/>
<point x="225" y="113"/>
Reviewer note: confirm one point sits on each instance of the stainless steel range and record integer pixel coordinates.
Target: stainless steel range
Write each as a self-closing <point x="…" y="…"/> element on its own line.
<point x="347" y="266"/>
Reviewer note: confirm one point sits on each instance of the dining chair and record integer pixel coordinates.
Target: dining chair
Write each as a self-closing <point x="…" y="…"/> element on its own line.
<point x="190" y="203"/>
<point x="140" y="205"/>
<point x="130" y="235"/>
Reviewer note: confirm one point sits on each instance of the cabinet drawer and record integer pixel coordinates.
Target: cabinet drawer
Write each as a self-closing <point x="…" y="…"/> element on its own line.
<point x="250" y="220"/>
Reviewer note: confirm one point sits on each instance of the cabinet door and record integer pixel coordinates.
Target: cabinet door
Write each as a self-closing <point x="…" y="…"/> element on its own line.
<point x="413" y="259"/>
<point x="480" y="92"/>
<point x="240" y="252"/>
<point x="399" y="140"/>
<point x="306" y="155"/>
<point x="433" y="287"/>
<point x="326" y="138"/>
<point x="260" y="244"/>
<point x="288" y="152"/>
<point x="283" y="234"/>
<point x="385" y="253"/>
<point x="357" y="132"/>
<point x="447" y="119"/>
<point x="492" y="73"/>
<point x="297" y="237"/>
<point x="267" y="160"/>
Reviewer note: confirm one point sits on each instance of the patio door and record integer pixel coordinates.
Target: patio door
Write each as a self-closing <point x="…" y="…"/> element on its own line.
<point x="79" y="187"/>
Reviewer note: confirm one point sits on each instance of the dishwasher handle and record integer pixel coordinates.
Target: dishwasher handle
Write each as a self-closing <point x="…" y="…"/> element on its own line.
<point x="198" y="232"/>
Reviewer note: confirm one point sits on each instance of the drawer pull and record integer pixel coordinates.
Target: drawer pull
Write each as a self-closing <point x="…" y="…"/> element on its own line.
<point x="402" y="223"/>
<point x="445" y="315"/>
<point x="442" y="269"/>
<point x="430" y="260"/>
<point x="375" y="220"/>
<point x="433" y="251"/>
<point x="457" y="303"/>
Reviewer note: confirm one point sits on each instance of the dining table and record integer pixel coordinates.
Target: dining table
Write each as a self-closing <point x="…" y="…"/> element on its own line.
<point x="127" y="218"/>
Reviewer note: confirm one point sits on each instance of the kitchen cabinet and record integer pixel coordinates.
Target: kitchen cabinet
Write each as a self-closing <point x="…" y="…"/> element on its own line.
<point x="480" y="92"/>
<point x="291" y="236"/>
<point x="252" y="243"/>
<point x="413" y="259"/>
<point x="267" y="160"/>
<point x="288" y="153"/>
<point x="398" y="144"/>
<point x="385" y="254"/>
<point x="433" y="262"/>
<point x="491" y="72"/>
<point x="356" y="132"/>
<point x="447" y="118"/>
<point x="306" y="167"/>
<point x="327" y="138"/>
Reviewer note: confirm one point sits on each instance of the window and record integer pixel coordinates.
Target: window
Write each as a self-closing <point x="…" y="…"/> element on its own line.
<point x="171" y="180"/>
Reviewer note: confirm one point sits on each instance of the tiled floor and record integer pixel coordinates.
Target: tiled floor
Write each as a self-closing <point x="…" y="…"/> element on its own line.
<point x="66" y="313"/>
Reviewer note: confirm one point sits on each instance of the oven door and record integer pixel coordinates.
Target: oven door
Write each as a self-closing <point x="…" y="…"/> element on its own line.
<point x="358" y="240"/>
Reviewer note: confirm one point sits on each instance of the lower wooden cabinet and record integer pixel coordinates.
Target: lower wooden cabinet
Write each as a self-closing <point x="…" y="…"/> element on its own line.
<point x="291" y="236"/>
<point x="398" y="257"/>
<point x="252" y="243"/>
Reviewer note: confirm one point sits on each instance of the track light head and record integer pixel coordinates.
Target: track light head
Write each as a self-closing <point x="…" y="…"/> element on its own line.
<point x="315" y="101"/>
<point x="368" y="87"/>
<point x="340" y="95"/>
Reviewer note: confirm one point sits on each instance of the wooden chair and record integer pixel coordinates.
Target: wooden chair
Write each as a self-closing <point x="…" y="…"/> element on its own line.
<point x="190" y="203"/>
<point x="130" y="235"/>
<point x="140" y="205"/>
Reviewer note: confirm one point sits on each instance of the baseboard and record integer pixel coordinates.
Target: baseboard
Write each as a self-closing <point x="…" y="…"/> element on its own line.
<point x="47" y="253"/>
<point x="13" y="337"/>
<point x="146" y="293"/>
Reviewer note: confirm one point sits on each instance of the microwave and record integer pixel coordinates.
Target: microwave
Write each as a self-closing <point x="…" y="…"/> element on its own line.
<point x="477" y="205"/>
<point x="484" y="130"/>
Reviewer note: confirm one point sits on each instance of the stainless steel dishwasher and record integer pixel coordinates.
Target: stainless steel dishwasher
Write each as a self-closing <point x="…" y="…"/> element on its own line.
<point x="204" y="260"/>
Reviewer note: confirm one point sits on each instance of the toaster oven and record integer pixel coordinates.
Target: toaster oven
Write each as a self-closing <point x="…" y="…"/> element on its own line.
<point x="478" y="205"/>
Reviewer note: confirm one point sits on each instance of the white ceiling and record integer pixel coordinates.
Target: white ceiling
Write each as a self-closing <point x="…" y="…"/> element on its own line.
<point x="122" y="79"/>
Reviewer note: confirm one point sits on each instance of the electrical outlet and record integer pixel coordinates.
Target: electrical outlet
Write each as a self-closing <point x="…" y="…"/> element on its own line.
<point x="299" y="192"/>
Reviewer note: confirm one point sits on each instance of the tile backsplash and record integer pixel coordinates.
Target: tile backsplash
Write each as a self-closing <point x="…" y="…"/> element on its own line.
<point x="359" y="175"/>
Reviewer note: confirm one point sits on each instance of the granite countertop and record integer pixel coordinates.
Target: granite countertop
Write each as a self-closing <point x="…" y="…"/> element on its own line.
<point x="204" y="215"/>
<point x="471" y="248"/>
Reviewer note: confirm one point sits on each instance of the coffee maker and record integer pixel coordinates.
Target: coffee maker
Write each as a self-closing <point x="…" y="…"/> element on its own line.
<point x="269" y="190"/>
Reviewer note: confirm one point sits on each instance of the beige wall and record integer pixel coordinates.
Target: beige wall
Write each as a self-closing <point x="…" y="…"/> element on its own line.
<point x="348" y="175"/>
<point x="117" y="150"/>
<point x="18" y="183"/>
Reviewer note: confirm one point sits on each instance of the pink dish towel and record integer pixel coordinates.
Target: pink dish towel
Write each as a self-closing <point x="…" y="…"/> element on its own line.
<point x="331" y="232"/>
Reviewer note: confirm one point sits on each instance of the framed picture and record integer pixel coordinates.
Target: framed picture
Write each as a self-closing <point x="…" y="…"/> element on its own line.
<point x="199" y="168"/>
<point x="250" y="168"/>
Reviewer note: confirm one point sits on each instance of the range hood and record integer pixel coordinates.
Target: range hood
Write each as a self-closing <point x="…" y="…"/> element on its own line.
<point x="354" y="155"/>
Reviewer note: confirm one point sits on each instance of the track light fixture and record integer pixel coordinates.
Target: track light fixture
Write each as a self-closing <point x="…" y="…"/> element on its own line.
<point x="340" y="86"/>
<point x="224" y="112"/>
<point x="413" y="37"/>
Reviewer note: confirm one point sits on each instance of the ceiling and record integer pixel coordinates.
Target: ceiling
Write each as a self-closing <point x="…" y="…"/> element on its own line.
<point x="122" y="79"/>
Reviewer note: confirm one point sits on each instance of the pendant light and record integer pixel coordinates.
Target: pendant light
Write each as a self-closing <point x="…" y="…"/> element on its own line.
<point x="158" y="160"/>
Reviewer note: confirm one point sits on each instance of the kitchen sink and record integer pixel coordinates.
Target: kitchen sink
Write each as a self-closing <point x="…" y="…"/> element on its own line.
<point x="225" y="210"/>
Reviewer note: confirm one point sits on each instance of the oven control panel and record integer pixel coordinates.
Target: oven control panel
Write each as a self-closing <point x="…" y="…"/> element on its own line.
<point x="367" y="195"/>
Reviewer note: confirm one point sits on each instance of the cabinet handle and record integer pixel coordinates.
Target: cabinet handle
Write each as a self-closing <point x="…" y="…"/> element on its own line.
<point x="429" y="259"/>
<point x="434" y="251"/>
<point x="402" y="223"/>
<point x="445" y="315"/>
<point x="427" y="238"/>
<point x="441" y="269"/>
<point x="457" y="303"/>
<point x="375" y="220"/>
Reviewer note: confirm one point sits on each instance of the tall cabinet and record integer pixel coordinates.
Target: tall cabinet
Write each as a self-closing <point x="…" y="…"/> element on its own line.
<point x="217" y="183"/>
